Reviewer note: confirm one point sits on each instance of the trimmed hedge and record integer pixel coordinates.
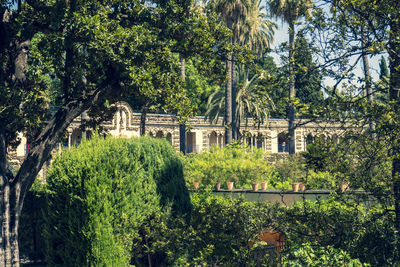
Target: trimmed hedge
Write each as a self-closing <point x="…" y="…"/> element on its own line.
<point x="99" y="194"/>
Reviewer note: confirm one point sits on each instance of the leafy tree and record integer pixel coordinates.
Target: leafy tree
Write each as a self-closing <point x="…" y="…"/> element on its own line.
<point x="382" y="23"/>
<point x="383" y="69"/>
<point x="199" y="88"/>
<point x="91" y="53"/>
<point x="290" y="11"/>
<point x="307" y="77"/>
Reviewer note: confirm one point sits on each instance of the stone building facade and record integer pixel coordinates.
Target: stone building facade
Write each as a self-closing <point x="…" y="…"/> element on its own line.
<point x="270" y="136"/>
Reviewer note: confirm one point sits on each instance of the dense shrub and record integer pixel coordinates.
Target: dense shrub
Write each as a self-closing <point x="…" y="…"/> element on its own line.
<point x="320" y="180"/>
<point x="101" y="192"/>
<point x="366" y="234"/>
<point x="301" y="255"/>
<point x="233" y="163"/>
<point x="222" y="232"/>
<point x="290" y="169"/>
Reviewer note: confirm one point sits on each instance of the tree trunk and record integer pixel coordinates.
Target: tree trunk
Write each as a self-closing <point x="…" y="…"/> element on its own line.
<point x="143" y="119"/>
<point x="367" y="74"/>
<point x="182" y="126"/>
<point x="182" y="138"/>
<point x="235" y="125"/>
<point x="394" y="95"/>
<point x="292" y="92"/>
<point x="228" y="101"/>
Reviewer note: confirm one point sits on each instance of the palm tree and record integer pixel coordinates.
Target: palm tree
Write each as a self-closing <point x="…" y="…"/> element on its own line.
<point x="249" y="26"/>
<point x="252" y="101"/>
<point x="257" y="31"/>
<point x="233" y="13"/>
<point x="290" y="11"/>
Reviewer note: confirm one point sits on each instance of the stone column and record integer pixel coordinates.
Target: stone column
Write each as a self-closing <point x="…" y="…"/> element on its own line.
<point x="264" y="144"/>
<point x="69" y="139"/>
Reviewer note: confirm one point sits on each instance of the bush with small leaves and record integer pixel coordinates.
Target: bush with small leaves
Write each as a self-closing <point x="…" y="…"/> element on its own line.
<point x="101" y="192"/>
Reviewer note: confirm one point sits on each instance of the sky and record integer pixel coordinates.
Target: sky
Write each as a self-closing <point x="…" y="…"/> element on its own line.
<point x="281" y="35"/>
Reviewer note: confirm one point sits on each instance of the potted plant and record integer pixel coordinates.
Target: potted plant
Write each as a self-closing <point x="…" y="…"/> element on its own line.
<point x="255" y="186"/>
<point x="344" y="186"/>
<point x="302" y="187"/>
<point x="295" y="187"/>
<point x="217" y="186"/>
<point x="264" y="186"/>
<point x="196" y="185"/>
<point x="229" y="185"/>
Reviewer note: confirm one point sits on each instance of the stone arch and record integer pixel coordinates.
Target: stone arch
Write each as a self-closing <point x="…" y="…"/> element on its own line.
<point x="76" y="137"/>
<point x="213" y="139"/>
<point x="309" y="139"/>
<point x="123" y="117"/>
<point x="159" y="134"/>
<point x="191" y="142"/>
<point x="283" y="142"/>
<point x="259" y="141"/>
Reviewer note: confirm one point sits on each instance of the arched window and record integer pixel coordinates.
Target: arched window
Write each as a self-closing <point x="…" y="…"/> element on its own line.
<point x="309" y="139"/>
<point x="76" y="137"/>
<point x="159" y="134"/>
<point x="191" y="142"/>
<point x="213" y="138"/>
<point x="283" y="142"/>
<point x="259" y="141"/>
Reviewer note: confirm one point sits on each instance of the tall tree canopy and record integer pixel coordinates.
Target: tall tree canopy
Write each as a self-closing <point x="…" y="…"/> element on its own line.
<point x="81" y="55"/>
<point x="250" y="27"/>
<point x="290" y="11"/>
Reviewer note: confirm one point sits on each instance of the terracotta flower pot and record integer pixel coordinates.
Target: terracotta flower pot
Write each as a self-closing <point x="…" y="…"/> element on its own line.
<point x="229" y="185"/>
<point x="295" y="187"/>
<point x="218" y="186"/>
<point x="302" y="187"/>
<point x="196" y="185"/>
<point x="344" y="187"/>
<point x="255" y="187"/>
<point x="264" y="186"/>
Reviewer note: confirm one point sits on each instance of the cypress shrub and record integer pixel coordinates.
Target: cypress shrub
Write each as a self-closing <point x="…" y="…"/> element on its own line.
<point x="100" y="192"/>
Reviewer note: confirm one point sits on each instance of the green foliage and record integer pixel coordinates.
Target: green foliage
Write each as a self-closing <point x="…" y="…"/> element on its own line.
<point x="224" y="228"/>
<point x="305" y="255"/>
<point x="100" y="193"/>
<point x="252" y="100"/>
<point x="316" y="155"/>
<point x="161" y="240"/>
<point x="291" y="168"/>
<point x="222" y="231"/>
<point x="234" y="163"/>
<point x="199" y="87"/>
<point x="320" y="180"/>
<point x="363" y="233"/>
